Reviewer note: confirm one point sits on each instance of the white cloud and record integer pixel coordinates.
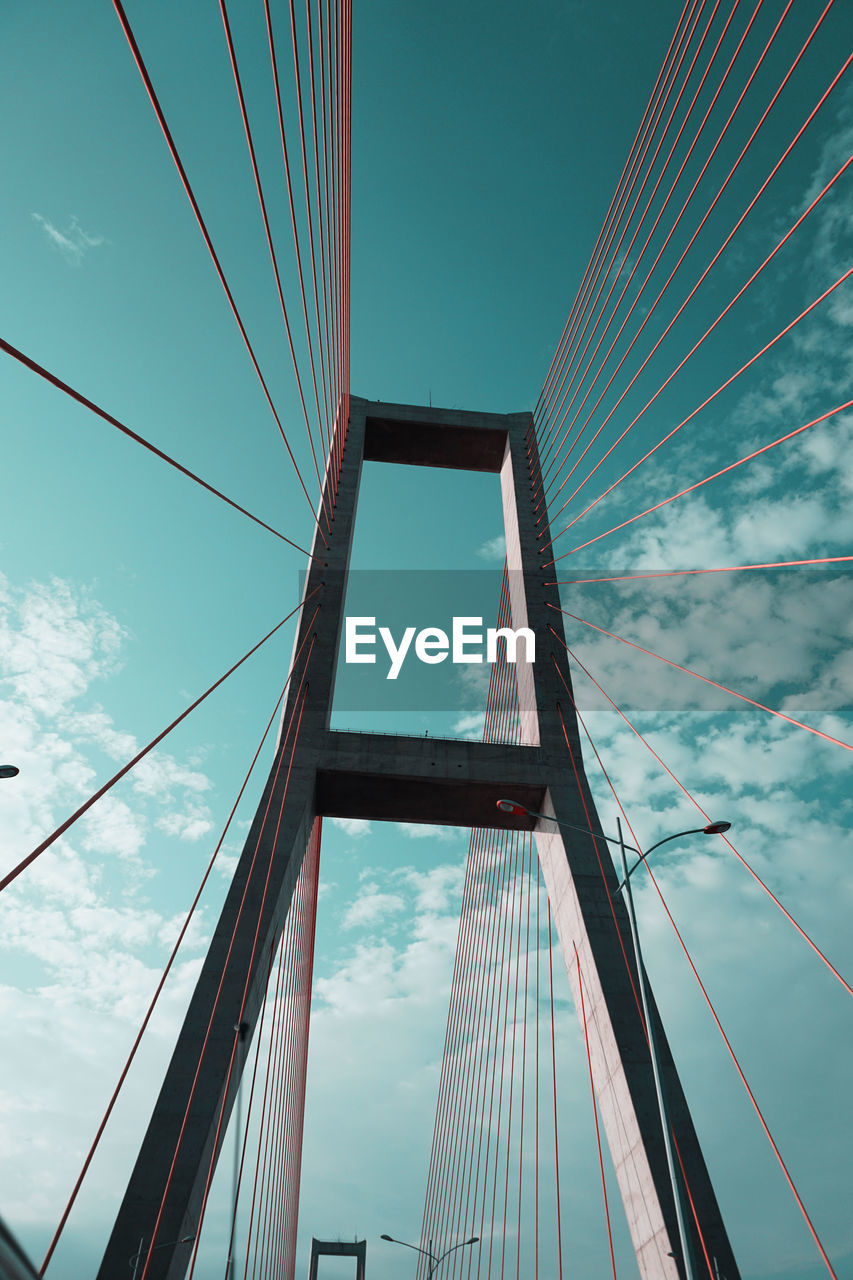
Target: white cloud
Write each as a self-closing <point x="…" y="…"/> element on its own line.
<point x="185" y="824"/>
<point x="54" y="643"/>
<point x="438" y="889"/>
<point x="493" y="549"/>
<point x="370" y="907"/>
<point x="355" y="827"/>
<point x="111" y="827"/>
<point x="428" y="831"/>
<point x="73" y="243"/>
<point x="159" y="773"/>
<point x="470" y="725"/>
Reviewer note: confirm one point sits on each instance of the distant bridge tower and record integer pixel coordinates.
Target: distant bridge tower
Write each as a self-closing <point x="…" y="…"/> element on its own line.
<point x="415" y="779"/>
<point x="338" y="1249"/>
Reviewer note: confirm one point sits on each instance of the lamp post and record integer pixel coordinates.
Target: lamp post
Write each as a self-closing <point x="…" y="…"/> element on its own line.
<point x="134" y="1261"/>
<point x="434" y="1262"/>
<point x="713" y="828"/>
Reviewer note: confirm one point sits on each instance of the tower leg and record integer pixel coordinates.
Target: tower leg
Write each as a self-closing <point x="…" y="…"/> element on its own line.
<point x="230" y="989"/>
<point x="592" y="923"/>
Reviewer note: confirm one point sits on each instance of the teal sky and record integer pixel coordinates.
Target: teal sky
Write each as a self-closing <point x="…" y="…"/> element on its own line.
<point x="487" y="140"/>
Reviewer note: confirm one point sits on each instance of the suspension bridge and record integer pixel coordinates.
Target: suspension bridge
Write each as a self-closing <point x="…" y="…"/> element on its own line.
<point x="542" y="895"/>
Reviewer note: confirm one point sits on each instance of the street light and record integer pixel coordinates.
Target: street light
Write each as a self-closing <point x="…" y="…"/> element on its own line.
<point x="134" y="1261"/>
<point x="9" y="771"/>
<point x="428" y="1253"/>
<point x="712" y="829"/>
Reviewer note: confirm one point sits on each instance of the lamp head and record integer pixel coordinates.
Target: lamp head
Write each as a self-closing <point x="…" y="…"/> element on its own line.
<point x="513" y="807"/>
<point x="9" y="771"/>
<point x="716" y="828"/>
<point x="384" y="1237"/>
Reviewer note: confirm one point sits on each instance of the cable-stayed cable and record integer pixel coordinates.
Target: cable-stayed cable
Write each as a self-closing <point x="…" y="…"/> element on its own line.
<point x="137" y="57"/>
<point x="35" y="367"/>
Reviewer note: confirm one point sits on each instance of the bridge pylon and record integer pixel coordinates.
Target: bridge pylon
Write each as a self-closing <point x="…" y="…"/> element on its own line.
<point x="318" y="772"/>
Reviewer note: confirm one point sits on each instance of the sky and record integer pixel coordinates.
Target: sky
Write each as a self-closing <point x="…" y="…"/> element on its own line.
<point x="487" y="140"/>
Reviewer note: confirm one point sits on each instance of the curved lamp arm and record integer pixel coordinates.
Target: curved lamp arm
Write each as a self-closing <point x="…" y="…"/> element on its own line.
<point x="713" y="829"/>
<point x="394" y="1240"/>
<point x="460" y="1245"/>
<point x="521" y="810"/>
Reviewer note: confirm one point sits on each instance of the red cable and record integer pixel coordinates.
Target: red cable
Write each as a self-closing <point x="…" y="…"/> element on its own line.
<point x="523" y="1056"/>
<point x="690" y="242"/>
<point x="707" y="680"/>
<point x="493" y="850"/>
<point x="277" y="87"/>
<point x="292" y="1068"/>
<point x="308" y="213"/>
<point x="602" y="232"/>
<point x="63" y="827"/>
<point x="744" y="1081"/>
<point x="288" y="1072"/>
<point x="723" y="470"/>
<point x="333" y="181"/>
<point x="498" y="707"/>
<point x="475" y="844"/>
<point x="284" y="1059"/>
<point x="436" y="1175"/>
<point x="595" y="1115"/>
<point x="554" y="1080"/>
<point x="490" y="898"/>
<point x="509" y="917"/>
<point x="274" y="1121"/>
<point x="137" y="57"/>
<point x="471" y="1000"/>
<point x="645" y="180"/>
<point x="318" y="193"/>
<point x="263" y="1129"/>
<point x="604" y="305"/>
<point x="132" y="435"/>
<point x="512" y="1048"/>
<point x="669" y="236"/>
<point x="272" y="1139"/>
<point x="262" y="202"/>
<point x="800" y="930"/>
<point x="245" y="1142"/>
<point x="327" y="192"/>
<point x="536" y="1076"/>
<point x="636" y="166"/>
<point x="296" y="1058"/>
<point x="309" y="969"/>
<point x="723" y="313"/>
<point x="460" y="1088"/>
<point x="676" y="573"/>
<point x="504" y="867"/>
<point x="728" y="238"/>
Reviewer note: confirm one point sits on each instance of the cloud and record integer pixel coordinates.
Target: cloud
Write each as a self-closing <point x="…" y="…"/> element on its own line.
<point x="56" y="641"/>
<point x="438" y="889"/>
<point x="186" y="824"/>
<point x="73" y="243"/>
<point x="355" y="827"/>
<point x="493" y="549"/>
<point x="428" y="831"/>
<point x="370" y="907"/>
<point x="470" y="725"/>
